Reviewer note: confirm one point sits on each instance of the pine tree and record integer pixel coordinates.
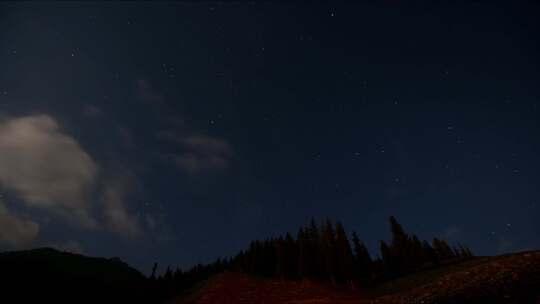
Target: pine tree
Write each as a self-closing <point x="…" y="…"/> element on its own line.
<point x="281" y="258"/>
<point x="400" y="247"/>
<point x="444" y="251"/>
<point x="303" y="253"/>
<point x="430" y="253"/>
<point x="345" y="262"/>
<point x="329" y="252"/>
<point x="168" y="274"/>
<point x="417" y="256"/>
<point x="388" y="261"/>
<point x="154" y="268"/>
<point x="399" y="237"/>
<point x="291" y="256"/>
<point x="363" y="262"/>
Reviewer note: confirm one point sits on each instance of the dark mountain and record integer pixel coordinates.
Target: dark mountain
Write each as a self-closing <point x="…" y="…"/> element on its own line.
<point x="50" y="275"/>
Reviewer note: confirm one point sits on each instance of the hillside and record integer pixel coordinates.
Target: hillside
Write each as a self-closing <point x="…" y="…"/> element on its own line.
<point x="62" y="277"/>
<point x="513" y="278"/>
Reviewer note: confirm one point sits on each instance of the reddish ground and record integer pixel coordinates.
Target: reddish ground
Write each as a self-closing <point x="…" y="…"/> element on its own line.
<point x="229" y="288"/>
<point x="513" y="278"/>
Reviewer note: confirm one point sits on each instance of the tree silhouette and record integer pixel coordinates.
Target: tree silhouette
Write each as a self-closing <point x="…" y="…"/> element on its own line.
<point x="329" y="252"/>
<point x="322" y="252"/>
<point x="344" y="256"/>
<point x="363" y="264"/>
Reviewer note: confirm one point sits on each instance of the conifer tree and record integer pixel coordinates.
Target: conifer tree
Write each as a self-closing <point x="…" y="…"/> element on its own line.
<point x="154" y="268"/>
<point x="444" y="251"/>
<point x="400" y="247"/>
<point x="344" y="256"/>
<point x="329" y="252"/>
<point x="388" y="261"/>
<point x="363" y="263"/>
<point x="291" y="255"/>
<point x="303" y="253"/>
<point x="417" y="255"/>
<point x="281" y="258"/>
<point x="399" y="237"/>
<point x="430" y="253"/>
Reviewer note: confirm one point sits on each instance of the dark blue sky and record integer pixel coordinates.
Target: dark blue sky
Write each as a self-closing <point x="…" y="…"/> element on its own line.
<point x="179" y="132"/>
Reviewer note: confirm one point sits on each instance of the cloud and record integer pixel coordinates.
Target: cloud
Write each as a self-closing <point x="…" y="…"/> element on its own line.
<point x="117" y="216"/>
<point x="50" y="171"/>
<point x="203" y="153"/>
<point x="92" y="111"/>
<point x="47" y="168"/>
<point x="16" y="232"/>
<point x="452" y="233"/>
<point x="505" y="244"/>
<point x="146" y="93"/>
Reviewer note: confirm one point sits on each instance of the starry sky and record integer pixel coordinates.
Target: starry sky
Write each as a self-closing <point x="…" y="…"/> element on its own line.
<point x="179" y="132"/>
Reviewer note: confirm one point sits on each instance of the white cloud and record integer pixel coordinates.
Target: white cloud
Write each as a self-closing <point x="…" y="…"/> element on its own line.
<point x="92" y="111"/>
<point x="146" y="92"/>
<point x="16" y="232"/>
<point x="203" y="153"/>
<point x="505" y="244"/>
<point x="117" y="216"/>
<point x="47" y="168"/>
<point x="50" y="171"/>
<point x="452" y="233"/>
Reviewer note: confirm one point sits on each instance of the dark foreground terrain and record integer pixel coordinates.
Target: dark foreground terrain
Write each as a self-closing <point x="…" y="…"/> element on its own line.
<point x="513" y="278"/>
<point x="50" y="276"/>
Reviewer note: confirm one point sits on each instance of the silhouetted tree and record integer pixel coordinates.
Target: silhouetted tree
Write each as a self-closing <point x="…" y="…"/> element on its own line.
<point x="344" y="256"/>
<point x="444" y="251"/>
<point x="303" y="253"/>
<point x="362" y="260"/>
<point x="430" y="253"/>
<point x="154" y="268"/>
<point x="329" y="251"/>
<point x="388" y="260"/>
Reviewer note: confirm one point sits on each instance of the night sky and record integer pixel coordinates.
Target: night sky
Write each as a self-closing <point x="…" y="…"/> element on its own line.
<point x="179" y="132"/>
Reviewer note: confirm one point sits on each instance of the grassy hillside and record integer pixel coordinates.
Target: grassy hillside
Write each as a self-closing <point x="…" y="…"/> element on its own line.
<point x="512" y="278"/>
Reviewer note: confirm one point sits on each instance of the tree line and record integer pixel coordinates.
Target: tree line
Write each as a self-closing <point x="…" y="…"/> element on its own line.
<point x="322" y="251"/>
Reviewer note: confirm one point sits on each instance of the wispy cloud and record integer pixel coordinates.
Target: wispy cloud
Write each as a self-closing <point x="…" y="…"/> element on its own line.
<point x="452" y="233"/>
<point x="16" y="232"/>
<point x="199" y="153"/>
<point x="146" y="93"/>
<point x="117" y="216"/>
<point x="49" y="171"/>
<point x="47" y="168"/>
<point x="92" y="111"/>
